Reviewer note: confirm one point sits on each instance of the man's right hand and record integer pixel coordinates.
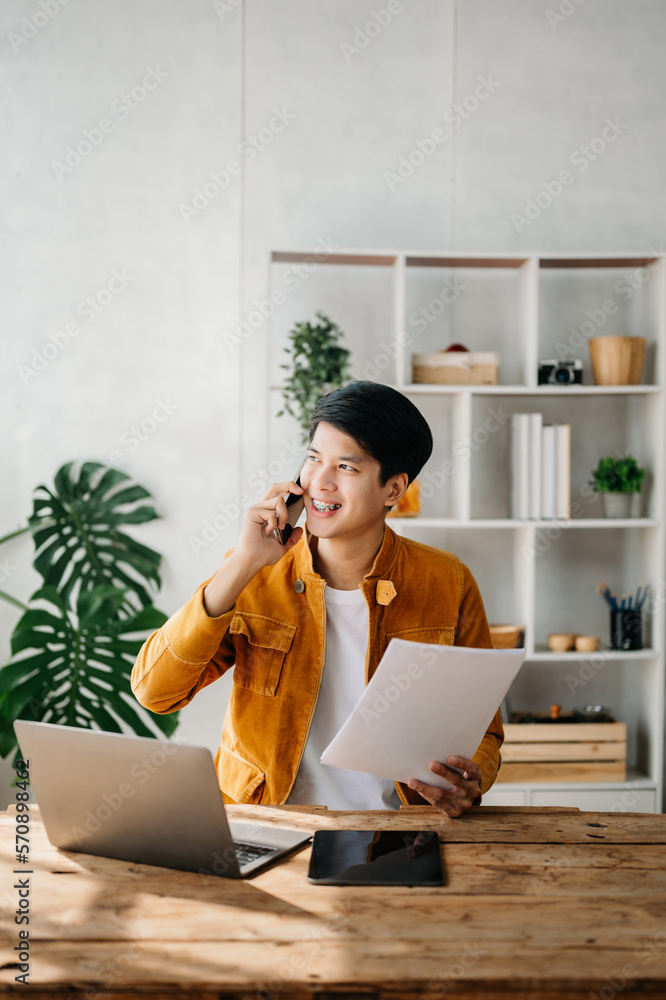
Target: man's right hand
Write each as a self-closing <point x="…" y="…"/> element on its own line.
<point x="257" y="547"/>
<point x="257" y="544"/>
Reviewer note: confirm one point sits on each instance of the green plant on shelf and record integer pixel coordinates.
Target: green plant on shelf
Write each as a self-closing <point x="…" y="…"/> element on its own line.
<point x="318" y="364"/>
<point x="617" y="475"/>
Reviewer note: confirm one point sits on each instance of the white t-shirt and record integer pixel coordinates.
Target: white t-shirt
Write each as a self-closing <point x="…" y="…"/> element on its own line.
<point x="341" y="687"/>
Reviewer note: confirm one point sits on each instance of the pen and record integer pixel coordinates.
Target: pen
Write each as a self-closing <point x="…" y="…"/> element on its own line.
<point x="629" y="603"/>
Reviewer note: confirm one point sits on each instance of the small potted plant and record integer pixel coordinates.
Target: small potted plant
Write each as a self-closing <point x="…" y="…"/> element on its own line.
<point x="318" y="364"/>
<point x="617" y="479"/>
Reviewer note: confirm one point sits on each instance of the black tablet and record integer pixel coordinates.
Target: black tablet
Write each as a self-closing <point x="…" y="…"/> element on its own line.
<point x="376" y="857"/>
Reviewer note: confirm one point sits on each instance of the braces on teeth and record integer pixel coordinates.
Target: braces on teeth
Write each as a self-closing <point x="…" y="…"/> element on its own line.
<point x="325" y="506"/>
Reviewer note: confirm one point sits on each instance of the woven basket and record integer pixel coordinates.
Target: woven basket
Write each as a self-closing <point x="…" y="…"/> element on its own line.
<point x="617" y="360"/>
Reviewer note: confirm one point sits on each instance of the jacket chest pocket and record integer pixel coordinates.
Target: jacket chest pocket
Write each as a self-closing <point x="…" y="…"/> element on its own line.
<point x="261" y="645"/>
<point x="442" y="635"/>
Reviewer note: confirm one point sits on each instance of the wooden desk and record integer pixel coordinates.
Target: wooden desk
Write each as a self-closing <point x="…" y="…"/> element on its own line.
<point x="539" y="903"/>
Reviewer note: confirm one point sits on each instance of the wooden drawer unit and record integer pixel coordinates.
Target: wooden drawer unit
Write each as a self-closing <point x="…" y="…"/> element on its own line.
<point x="580" y="751"/>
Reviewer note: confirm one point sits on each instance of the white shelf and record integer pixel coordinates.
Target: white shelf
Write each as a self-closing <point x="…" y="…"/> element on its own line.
<point x="634" y="778"/>
<point x="422" y="388"/>
<point x="380" y="256"/>
<point x="525" y="306"/>
<point x="514" y="523"/>
<point x="546" y="656"/>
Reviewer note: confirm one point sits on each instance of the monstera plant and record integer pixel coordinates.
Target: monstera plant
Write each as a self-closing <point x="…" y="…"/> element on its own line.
<point x="74" y="646"/>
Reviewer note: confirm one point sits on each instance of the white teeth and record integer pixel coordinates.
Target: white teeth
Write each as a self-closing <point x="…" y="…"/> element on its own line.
<point x="325" y="506"/>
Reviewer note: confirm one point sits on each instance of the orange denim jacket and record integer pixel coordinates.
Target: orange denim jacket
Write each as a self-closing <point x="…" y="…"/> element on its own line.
<point x="274" y="638"/>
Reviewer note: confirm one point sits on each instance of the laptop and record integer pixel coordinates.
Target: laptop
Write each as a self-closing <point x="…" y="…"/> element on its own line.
<point x="143" y="800"/>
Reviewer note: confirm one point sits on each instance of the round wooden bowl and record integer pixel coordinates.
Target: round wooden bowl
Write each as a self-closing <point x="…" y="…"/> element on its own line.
<point x="506" y="636"/>
<point x="586" y="643"/>
<point x="561" y="642"/>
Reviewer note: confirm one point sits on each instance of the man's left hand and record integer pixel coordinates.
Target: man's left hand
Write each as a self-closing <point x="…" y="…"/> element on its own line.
<point x="466" y="790"/>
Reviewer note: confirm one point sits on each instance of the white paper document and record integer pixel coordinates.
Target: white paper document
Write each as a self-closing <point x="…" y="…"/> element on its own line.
<point x="424" y="702"/>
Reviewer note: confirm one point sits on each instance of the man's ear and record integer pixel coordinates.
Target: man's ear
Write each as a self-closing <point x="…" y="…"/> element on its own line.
<point x="398" y="484"/>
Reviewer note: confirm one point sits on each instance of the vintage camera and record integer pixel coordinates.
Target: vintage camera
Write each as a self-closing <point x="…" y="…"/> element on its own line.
<point x="560" y="372"/>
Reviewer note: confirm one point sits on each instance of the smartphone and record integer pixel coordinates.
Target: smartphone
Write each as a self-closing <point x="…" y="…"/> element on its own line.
<point x="295" y="503"/>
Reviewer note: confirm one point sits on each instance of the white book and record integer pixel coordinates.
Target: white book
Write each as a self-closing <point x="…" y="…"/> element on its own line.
<point x="548" y="471"/>
<point x="534" y="464"/>
<point x="519" y="467"/>
<point x="563" y="470"/>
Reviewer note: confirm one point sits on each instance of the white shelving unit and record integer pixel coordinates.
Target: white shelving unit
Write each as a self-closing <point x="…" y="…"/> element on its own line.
<point x="540" y="574"/>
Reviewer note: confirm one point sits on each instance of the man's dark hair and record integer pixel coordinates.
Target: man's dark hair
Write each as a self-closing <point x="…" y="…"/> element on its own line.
<point x="385" y="423"/>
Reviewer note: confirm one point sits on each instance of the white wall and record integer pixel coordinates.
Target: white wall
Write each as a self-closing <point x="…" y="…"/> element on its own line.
<point x="223" y="70"/>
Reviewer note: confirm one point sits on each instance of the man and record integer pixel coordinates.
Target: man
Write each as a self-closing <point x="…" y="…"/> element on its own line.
<point x="304" y="625"/>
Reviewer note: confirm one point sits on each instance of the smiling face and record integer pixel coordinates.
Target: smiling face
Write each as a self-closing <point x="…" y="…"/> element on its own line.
<point x="343" y="493"/>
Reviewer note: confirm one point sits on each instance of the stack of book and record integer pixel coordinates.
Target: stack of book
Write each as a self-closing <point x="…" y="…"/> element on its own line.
<point x="540" y="467"/>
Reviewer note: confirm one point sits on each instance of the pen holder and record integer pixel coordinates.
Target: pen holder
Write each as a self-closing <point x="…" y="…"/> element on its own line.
<point x="626" y="630"/>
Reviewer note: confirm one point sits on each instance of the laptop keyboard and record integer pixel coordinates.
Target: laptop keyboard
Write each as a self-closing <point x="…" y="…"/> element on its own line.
<point x="250" y="852"/>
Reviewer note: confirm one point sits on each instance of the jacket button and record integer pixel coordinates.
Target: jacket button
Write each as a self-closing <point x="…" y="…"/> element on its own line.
<point x="299" y="586"/>
<point x="385" y="592"/>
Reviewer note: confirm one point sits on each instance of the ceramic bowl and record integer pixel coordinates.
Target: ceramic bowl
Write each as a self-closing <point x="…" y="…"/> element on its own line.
<point x="587" y="643"/>
<point x="561" y="642"/>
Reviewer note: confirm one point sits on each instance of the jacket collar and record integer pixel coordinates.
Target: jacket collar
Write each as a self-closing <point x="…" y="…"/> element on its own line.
<point x="381" y="567"/>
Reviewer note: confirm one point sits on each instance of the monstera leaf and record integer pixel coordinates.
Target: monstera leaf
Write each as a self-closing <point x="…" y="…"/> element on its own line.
<point x="73" y="667"/>
<point x="78" y="541"/>
<point x="74" y="647"/>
